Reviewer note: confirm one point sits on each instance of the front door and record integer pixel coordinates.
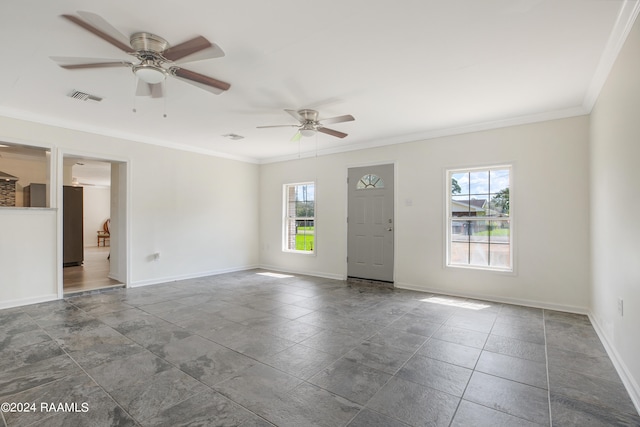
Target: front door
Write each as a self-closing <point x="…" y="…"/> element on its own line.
<point x="370" y="223"/>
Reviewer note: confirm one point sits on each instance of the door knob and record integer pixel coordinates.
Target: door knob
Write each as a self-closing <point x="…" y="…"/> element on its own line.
<point x="389" y="229"/>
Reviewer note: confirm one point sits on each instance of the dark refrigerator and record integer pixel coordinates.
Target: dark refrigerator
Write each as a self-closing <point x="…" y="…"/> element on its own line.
<point x="72" y="227"/>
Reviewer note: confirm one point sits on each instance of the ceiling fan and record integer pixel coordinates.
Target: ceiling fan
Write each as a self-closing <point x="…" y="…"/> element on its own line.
<point x="310" y="124"/>
<point x="156" y="59"/>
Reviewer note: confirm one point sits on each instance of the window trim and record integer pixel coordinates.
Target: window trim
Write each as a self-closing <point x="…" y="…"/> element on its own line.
<point x="285" y="218"/>
<point x="448" y="172"/>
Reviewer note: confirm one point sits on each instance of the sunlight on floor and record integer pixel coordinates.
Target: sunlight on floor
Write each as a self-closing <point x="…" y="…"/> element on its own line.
<point x="456" y="303"/>
<point x="276" y="275"/>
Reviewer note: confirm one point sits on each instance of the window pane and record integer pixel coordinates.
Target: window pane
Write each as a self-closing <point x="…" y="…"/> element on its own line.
<point x="500" y="255"/>
<point x="479" y="209"/>
<point x="479" y="254"/>
<point x="299" y="217"/>
<point x="459" y="253"/>
<point x="479" y="183"/>
<point x="460" y="183"/>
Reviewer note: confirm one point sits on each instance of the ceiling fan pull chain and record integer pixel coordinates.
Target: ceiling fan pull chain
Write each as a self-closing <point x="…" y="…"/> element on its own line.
<point x="164" y="97"/>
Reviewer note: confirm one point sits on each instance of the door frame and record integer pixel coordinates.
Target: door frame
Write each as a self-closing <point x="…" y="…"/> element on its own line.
<point x="395" y="210"/>
<point x="123" y="195"/>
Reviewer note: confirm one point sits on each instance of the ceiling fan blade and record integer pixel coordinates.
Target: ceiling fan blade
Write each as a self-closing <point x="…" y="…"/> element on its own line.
<point x="296" y="137"/>
<point x="191" y="47"/>
<point x="204" y="82"/>
<point x="277" y="126"/>
<point x="339" y="119"/>
<point x="147" y="89"/>
<point x="332" y="132"/>
<point x="101" y="28"/>
<point x="295" y="115"/>
<point x="72" y="63"/>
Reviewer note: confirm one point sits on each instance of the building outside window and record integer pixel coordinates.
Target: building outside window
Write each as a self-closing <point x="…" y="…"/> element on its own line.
<point x="299" y="218"/>
<point x="479" y="216"/>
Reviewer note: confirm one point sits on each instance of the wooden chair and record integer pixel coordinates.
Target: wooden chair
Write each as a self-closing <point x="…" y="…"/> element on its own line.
<point x="104" y="234"/>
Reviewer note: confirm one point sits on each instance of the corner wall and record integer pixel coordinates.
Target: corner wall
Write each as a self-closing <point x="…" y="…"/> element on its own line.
<point x="615" y="204"/>
<point x="550" y="206"/>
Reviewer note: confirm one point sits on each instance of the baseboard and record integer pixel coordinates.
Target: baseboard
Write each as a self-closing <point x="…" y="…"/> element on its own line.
<point x="493" y="298"/>
<point x="166" y="279"/>
<point x="627" y="379"/>
<point x="28" y="301"/>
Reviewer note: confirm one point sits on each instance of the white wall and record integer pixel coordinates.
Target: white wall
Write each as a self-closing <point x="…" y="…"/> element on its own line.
<point x="27" y="256"/>
<point x="615" y="204"/>
<point x="549" y="200"/>
<point x="199" y="212"/>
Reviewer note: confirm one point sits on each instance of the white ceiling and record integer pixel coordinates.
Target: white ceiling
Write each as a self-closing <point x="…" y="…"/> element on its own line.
<point x="406" y="70"/>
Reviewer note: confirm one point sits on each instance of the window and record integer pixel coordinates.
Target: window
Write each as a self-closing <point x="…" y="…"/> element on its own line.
<point x="479" y="218"/>
<point x="369" y="181"/>
<point x="299" y="219"/>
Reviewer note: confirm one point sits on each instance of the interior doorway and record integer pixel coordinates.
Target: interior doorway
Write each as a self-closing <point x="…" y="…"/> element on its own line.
<point x="101" y="263"/>
<point x="371" y="224"/>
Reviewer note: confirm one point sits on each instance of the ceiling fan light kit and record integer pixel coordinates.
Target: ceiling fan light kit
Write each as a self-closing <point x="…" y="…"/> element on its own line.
<point x="310" y="123"/>
<point x="157" y="58"/>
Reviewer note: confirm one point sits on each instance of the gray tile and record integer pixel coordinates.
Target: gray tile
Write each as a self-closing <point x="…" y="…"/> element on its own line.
<point x="449" y="352"/>
<point x="472" y="414"/>
<point x="255" y="387"/>
<point x="148" y="396"/>
<point x="290" y="311"/>
<point x="513" y="368"/>
<point x="461" y="336"/>
<point x="293" y="331"/>
<point x="19" y="379"/>
<point x="401" y="340"/>
<point x="474" y="323"/>
<point x="332" y="342"/>
<point x="368" y="418"/>
<point x="436" y="374"/>
<point x="516" y="348"/>
<point x="520" y="400"/>
<point x="382" y="357"/>
<point x="594" y="390"/>
<point x="413" y="324"/>
<point x="414" y="404"/>
<point x="127" y="372"/>
<point x="207" y="408"/>
<point x="301" y="361"/>
<point x="351" y="380"/>
<point x="524" y="331"/>
<point x="15" y="356"/>
<point x="75" y="389"/>
<point x="568" y="412"/>
<point x="597" y="366"/>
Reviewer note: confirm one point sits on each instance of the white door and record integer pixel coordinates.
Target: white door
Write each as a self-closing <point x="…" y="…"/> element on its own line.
<point x="370" y="223"/>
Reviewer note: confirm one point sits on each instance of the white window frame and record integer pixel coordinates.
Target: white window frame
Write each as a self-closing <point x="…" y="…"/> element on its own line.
<point x="450" y="218"/>
<point x="287" y="225"/>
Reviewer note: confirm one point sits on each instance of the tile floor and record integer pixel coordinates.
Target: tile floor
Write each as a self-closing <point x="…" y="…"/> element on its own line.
<point x="250" y="349"/>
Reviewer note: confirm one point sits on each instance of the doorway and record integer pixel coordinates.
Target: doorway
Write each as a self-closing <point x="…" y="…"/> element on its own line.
<point x="100" y="235"/>
<point x="370" y="229"/>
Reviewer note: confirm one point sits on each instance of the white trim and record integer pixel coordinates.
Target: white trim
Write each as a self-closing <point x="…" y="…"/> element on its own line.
<point x="448" y="218"/>
<point x="27" y="301"/>
<point x="624" y="23"/>
<point x="627" y="379"/>
<point x="285" y="210"/>
<point x="435" y="133"/>
<point x="394" y="163"/>
<point x="168" y="279"/>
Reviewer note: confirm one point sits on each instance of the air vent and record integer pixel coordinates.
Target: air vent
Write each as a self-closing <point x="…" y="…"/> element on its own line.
<point x="233" y="136"/>
<point x="82" y="96"/>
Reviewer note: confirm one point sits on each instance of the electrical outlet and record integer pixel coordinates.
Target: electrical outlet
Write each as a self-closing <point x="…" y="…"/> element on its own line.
<point x="620" y="307"/>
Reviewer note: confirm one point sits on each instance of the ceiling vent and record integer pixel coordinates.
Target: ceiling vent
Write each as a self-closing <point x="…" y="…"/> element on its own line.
<point x="233" y="136"/>
<point x="82" y="96"/>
